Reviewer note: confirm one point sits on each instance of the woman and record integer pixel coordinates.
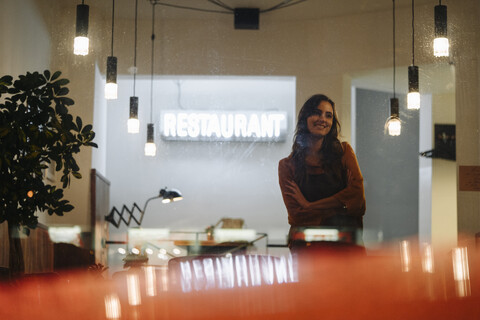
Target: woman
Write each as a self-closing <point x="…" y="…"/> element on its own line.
<point x="320" y="180"/>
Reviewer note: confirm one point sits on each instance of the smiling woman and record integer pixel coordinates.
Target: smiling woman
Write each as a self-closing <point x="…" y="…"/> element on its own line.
<point x="321" y="181"/>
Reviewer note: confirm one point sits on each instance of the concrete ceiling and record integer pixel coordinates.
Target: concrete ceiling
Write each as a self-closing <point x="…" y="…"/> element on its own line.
<point x="294" y="9"/>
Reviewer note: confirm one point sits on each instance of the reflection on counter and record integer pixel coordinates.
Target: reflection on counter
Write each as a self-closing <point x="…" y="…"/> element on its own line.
<point x="310" y="284"/>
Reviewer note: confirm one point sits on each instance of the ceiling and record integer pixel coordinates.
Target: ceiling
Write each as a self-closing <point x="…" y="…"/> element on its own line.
<point x="293" y="10"/>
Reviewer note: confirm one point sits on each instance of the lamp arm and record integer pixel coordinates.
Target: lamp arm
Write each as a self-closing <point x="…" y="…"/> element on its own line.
<point x="145" y="206"/>
<point x="114" y="211"/>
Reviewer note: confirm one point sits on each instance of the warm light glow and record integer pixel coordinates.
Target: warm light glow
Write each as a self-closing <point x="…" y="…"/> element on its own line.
<point x="394" y="126"/>
<point x="112" y="307"/>
<point x="164" y="278"/>
<point x="121" y="251"/>
<point x="427" y="259"/>
<point x="226" y="234"/>
<point x="150" y="281"/>
<point x="167" y="200"/>
<point x="461" y="272"/>
<point x="133" y="125"/>
<point x="30" y="194"/>
<point x="80" y="46"/>
<point x="135" y="251"/>
<point x="405" y="255"/>
<point x="133" y="287"/>
<point x="111" y="90"/>
<point x="64" y="234"/>
<point x="150" y="149"/>
<point x="413" y="100"/>
<point x="321" y="235"/>
<point x="177" y="198"/>
<point x="440" y="47"/>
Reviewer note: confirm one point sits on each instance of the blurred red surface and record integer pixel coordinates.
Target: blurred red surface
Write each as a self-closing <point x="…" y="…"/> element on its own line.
<point x="328" y="285"/>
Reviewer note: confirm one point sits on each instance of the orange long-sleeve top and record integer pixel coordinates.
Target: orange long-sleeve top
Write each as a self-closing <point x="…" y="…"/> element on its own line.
<point x="352" y="196"/>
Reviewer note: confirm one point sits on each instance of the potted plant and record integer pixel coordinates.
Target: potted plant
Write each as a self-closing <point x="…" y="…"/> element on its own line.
<point x="36" y="131"/>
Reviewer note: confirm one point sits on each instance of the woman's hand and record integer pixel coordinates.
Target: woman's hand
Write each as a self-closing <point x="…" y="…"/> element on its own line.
<point x="294" y="191"/>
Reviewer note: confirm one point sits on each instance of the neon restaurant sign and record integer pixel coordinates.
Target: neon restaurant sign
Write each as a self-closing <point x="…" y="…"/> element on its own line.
<point x="199" y="125"/>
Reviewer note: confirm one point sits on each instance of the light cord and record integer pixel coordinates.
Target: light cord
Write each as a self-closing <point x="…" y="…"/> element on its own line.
<point x="413" y="32"/>
<point x="152" y="67"/>
<point x="393" y="48"/>
<point x="113" y="22"/>
<point x="135" y="50"/>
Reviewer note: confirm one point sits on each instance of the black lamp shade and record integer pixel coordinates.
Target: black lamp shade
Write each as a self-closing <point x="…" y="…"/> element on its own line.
<point x="111" y="69"/>
<point x="413" y="79"/>
<point x="394" y="107"/>
<point x="134" y="108"/>
<point x="440" y="21"/>
<point x="170" y="194"/>
<point x="150" y="131"/>
<point x="82" y="20"/>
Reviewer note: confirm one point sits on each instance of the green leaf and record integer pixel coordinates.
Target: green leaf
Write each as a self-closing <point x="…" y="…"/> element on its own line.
<point x="61" y="109"/>
<point x="77" y="175"/>
<point x="87" y="128"/>
<point x="79" y="122"/>
<point x="55" y="75"/>
<point x="67" y="101"/>
<point x="6" y="80"/>
<point x="61" y="82"/>
<point x="67" y="208"/>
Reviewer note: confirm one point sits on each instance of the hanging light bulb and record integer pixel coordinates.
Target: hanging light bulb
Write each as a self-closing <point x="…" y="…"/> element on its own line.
<point x="393" y="124"/>
<point x="413" y="96"/>
<point x="150" y="147"/>
<point x="440" y="43"/>
<point x="80" y="43"/>
<point x="133" y="124"/>
<point x="111" y="87"/>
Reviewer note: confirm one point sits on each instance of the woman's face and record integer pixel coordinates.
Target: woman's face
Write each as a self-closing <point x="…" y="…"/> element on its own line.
<point x="320" y="122"/>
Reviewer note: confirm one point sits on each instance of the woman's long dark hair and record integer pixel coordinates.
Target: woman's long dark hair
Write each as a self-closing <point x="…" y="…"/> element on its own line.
<point x="331" y="152"/>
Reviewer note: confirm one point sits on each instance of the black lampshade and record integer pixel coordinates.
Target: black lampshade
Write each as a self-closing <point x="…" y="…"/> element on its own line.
<point x="413" y="79"/>
<point x="82" y="20"/>
<point x="111" y="69"/>
<point x="394" y="107"/>
<point x="440" y="21"/>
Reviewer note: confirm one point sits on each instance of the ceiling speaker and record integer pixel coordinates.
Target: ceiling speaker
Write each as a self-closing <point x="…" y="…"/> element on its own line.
<point x="247" y="18"/>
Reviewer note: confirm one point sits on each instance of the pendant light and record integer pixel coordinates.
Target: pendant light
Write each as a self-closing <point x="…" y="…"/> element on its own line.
<point x="133" y="124"/>
<point x="111" y="87"/>
<point x="440" y="44"/>
<point x="393" y="124"/>
<point x="413" y="96"/>
<point x="150" y="147"/>
<point x="80" y="43"/>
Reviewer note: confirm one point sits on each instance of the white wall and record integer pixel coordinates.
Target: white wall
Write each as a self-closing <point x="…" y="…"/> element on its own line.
<point x="24" y="37"/>
<point x="99" y="155"/>
<point x="217" y="179"/>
